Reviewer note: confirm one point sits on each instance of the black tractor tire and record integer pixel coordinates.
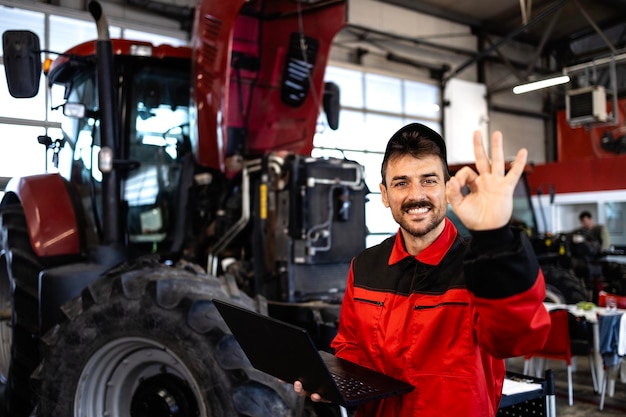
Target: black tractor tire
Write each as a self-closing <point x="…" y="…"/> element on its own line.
<point x="6" y="314"/>
<point x="570" y="287"/>
<point x="19" y="274"/>
<point x="147" y="341"/>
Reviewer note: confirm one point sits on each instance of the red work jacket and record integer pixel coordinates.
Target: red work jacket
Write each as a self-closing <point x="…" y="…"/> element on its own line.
<point x="444" y="320"/>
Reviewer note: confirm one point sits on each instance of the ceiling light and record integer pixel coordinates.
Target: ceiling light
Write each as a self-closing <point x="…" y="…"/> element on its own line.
<point x="536" y="85"/>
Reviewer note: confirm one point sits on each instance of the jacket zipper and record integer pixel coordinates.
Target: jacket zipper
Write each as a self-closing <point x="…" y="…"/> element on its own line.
<point x="365" y="300"/>
<point x="449" y="303"/>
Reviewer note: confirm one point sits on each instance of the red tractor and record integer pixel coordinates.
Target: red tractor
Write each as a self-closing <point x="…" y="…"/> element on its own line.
<point x="184" y="174"/>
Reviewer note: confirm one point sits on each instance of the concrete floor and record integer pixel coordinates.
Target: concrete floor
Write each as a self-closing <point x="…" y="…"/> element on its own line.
<point x="586" y="401"/>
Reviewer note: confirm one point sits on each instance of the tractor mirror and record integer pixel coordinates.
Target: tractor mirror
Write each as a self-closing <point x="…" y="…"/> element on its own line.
<point x="22" y="63"/>
<point x="331" y="104"/>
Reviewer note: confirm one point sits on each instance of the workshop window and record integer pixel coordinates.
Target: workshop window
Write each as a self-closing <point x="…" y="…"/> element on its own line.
<point x="373" y="107"/>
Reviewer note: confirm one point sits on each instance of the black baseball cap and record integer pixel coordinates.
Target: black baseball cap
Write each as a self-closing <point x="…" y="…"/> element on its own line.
<point x="422" y="132"/>
<point x="425" y="131"/>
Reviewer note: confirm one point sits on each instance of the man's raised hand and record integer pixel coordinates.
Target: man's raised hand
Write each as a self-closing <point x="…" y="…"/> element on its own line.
<point x="489" y="205"/>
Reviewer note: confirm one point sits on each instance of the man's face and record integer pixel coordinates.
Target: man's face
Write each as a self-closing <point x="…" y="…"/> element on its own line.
<point x="586" y="222"/>
<point x="416" y="193"/>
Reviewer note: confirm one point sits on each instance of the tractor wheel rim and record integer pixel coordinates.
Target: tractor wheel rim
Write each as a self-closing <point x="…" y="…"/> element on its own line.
<point x="139" y="374"/>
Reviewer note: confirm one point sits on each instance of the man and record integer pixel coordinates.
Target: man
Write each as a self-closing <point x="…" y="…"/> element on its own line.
<point x="431" y="308"/>
<point x="588" y="243"/>
<point x="593" y="232"/>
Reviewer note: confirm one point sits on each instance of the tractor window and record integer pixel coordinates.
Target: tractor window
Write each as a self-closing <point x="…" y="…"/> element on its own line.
<point x="83" y="132"/>
<point x="159" y="138"/>
<point x="523" y="210"/>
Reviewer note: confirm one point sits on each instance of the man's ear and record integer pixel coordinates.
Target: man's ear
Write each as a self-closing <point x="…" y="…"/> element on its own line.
<point x="383" y="194"/>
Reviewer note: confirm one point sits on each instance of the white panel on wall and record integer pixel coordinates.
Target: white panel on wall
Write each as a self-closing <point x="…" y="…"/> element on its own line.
<point x="366" y="13"/>
<point x="520" y="132"/>
<point x="465" y="110"/>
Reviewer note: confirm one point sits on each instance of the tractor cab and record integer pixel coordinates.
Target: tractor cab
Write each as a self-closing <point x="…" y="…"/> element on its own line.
<point x="152" y="88"/>
<point x="153" y="96"/>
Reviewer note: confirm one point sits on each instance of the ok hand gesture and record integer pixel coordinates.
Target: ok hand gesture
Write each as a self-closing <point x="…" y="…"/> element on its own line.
<point x="489" y="205"/>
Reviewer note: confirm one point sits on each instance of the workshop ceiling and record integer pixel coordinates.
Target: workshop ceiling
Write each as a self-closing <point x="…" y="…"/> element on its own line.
<point x="562" y="34"/>
<point x="573" y="31"/>
<point x="566" y="31"/>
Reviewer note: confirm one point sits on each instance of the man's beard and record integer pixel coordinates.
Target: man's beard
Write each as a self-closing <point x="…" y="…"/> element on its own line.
<point x="421" y="229"/>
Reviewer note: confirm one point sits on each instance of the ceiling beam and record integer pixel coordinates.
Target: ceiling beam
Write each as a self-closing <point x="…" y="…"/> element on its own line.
<point x="365" y="34"/>
<point x="556" y="6"/>
<point x="432" y="10"/>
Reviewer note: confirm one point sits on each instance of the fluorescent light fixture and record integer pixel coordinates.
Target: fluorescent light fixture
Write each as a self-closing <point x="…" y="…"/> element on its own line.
<point x="536" y="85"/>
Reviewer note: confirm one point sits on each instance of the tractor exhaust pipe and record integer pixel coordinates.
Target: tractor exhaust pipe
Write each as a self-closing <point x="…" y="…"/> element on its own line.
<point x="109" y="130"/>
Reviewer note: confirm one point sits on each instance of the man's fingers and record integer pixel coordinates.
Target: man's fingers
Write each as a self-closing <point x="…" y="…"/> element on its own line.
<point x="484" y="164"/>
<point x="489" y="204"/>
<point x="297" y="387"/>
<point x="517" y="167"/>
<point x="465" y="177"/>
<point x="497" y="154"/>
<point x="315" y="397"/>
<point x="482" y="160"/>
<point x="453" y="192"/>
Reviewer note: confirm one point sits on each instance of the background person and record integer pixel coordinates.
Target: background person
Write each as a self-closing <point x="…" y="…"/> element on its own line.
<point x="588" y="243"/>
<point x="430" y="307"/>
<point x="597" y="233"/>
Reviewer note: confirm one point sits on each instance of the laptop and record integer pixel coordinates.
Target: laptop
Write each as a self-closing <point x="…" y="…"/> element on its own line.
<point x="288" y="352"/>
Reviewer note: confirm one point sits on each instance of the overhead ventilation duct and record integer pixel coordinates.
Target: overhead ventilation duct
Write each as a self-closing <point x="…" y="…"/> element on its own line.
<point x="586" y="105"/>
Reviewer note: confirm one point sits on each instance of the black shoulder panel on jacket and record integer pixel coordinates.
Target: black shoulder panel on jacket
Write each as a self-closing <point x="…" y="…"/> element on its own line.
<point x="371" y="271"/>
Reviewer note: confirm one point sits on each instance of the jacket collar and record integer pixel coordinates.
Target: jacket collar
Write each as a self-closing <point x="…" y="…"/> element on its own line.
<point x="433" y="254"/>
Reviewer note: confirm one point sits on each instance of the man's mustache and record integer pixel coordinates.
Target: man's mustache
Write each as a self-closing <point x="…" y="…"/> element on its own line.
<point x="417" y="204"/>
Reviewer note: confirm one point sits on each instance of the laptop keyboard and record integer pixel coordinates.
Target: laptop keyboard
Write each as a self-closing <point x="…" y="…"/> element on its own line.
<point x="351" y="387"/>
